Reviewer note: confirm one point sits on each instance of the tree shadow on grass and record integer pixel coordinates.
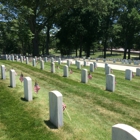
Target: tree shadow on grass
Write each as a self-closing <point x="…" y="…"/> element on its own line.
<point x="49" y="124"/>
<point x="10" y="86"/>
<point x="110" y="55"/>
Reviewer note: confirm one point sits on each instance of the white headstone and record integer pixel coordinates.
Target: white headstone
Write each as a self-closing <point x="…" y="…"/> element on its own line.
<point x="28" y="88"/>
<point x="42" y="64"/>
<point x="107" y="70"/>
<point x="53" y="67"/>
<point x="91" y="67"/>
<point x="52" y="59"/>
<point x="84" y="76"/>
<point x="68" y="63"/>
<point x="12" y="56"/>
<point x="124" y="132"/>
<point x="3" y="72"/>
<point x="66" y="71"/>
<point x="55" y="108"/>
<point x="45" y="59"/>
<point x="27" y="60"/>
<point x="128" y="74"/>
<point x="21" y="59"/>
<point x="17" y="58"/>
<point x="137" y="71"/>
<point x="85" y="63"/>
<point x="59" y="61"/>
<point x="34" y="62"/>
<point x="78" y="65"/>
<point x="95" y="65"/>
<point x="12" y="78"/>
<point x="110" y="82"/>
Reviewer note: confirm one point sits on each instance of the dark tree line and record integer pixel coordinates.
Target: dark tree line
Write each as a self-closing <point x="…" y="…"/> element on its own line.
<point x="78" y="26"/>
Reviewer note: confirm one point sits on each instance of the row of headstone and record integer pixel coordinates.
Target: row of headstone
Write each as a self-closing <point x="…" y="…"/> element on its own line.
<point x="119" y="131"/>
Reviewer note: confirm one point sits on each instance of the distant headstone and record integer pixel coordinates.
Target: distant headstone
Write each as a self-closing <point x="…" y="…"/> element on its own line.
<point x="42" y="65"/>
<point x="52" y="59"/>
<point x="17" y="58"/>
<point x="6" y="57"/>
<point x="78" y="65"/>
<point x="12" y="78"/>
<point x="53" y="67"/>
<point x="124" y="132"/>
<point x="128" y="74"/>
<point x="55" y="108"/>
<point x="66" y="71"/>
<point x="137" y="71"/>
<point x="12" y="56"/>
<point x="68" y="63"/>
<point x="95" y="65"/>
<point x="34" y="62"/>
<point x="59" y="61"/>
<point x="45" y="59"/>
<point x="3" y="72"/>
<point x="106" y="65"/>
<point x="85" y="63"/>
<point x="107" y="70"/>
<point x="40" y="58"/>
<point x="110" y="82"/>
<point x="21" y="59"/>
<point x="91" y="67"/>
<point x="28" y="88"/>
<point x="84" y="76"/>
<point x="27" y="61"/>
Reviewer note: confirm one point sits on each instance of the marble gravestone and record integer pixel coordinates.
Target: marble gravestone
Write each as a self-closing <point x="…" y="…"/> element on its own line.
<point x="55" y="108"/>
<point x="66" y="71"/>
<point x="85" y="63"/>
<point x="34" y="62"/>
<point x="84" y="76"/>
<point x="91" y="67"/>
<point x="53" y="67"/>
<point x="95" y="65"/>
<point x="42" y="65"/>
<point x="78" y="65"/>
<point x="27" y="61"/>
<point x="21" y="59"/>
<point x="110" y="82"/>
<point x="128" y="74"/>
<point x="59" y="61"/>
<point x="45" y="59"/>
<point x="12" y="56"/>
<point x="28" y="88"/>
<point x="3" y="72"/>
<point x="138" y="72"/>
<point x="12" y="78"/>
<point x="68" y="63"/>
<point x="107" y="70"/>
<point x="124" y="132"/>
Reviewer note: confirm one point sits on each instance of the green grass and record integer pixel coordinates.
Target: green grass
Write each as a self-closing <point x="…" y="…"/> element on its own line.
<point x="93" y="110"/>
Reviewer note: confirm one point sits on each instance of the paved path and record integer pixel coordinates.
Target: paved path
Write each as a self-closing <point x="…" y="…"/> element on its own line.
<point x="113" y="66"/>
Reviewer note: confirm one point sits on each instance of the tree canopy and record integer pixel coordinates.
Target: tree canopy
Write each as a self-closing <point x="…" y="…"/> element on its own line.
<point x="32" y="27"/>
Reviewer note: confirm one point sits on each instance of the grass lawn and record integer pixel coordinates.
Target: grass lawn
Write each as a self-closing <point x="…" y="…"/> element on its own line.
<point x="92" y="109"/>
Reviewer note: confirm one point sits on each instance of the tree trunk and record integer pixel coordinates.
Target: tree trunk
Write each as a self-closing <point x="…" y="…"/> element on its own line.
<point x="125" y="50"/>
<point x="88" y="51"/>
<point x="129" y="53"/>
<point x="35" y="45"/>
<point x="47" y="40"/>
<point x="76" y="51"/>
<point x="105" y="46"/>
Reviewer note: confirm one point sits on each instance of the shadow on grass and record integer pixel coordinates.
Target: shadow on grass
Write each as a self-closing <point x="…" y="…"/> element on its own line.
<point x="10" y="86"/>
<point x="23" y="99"/>
<point x="109" y="55"/>
<point x="49" y="124"/>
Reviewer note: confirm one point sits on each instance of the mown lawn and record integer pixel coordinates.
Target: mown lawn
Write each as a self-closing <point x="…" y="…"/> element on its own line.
<point x="92" y="109"/>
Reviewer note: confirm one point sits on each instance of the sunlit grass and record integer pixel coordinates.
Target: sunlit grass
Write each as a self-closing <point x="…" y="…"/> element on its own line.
<point x="93" y="110"/>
